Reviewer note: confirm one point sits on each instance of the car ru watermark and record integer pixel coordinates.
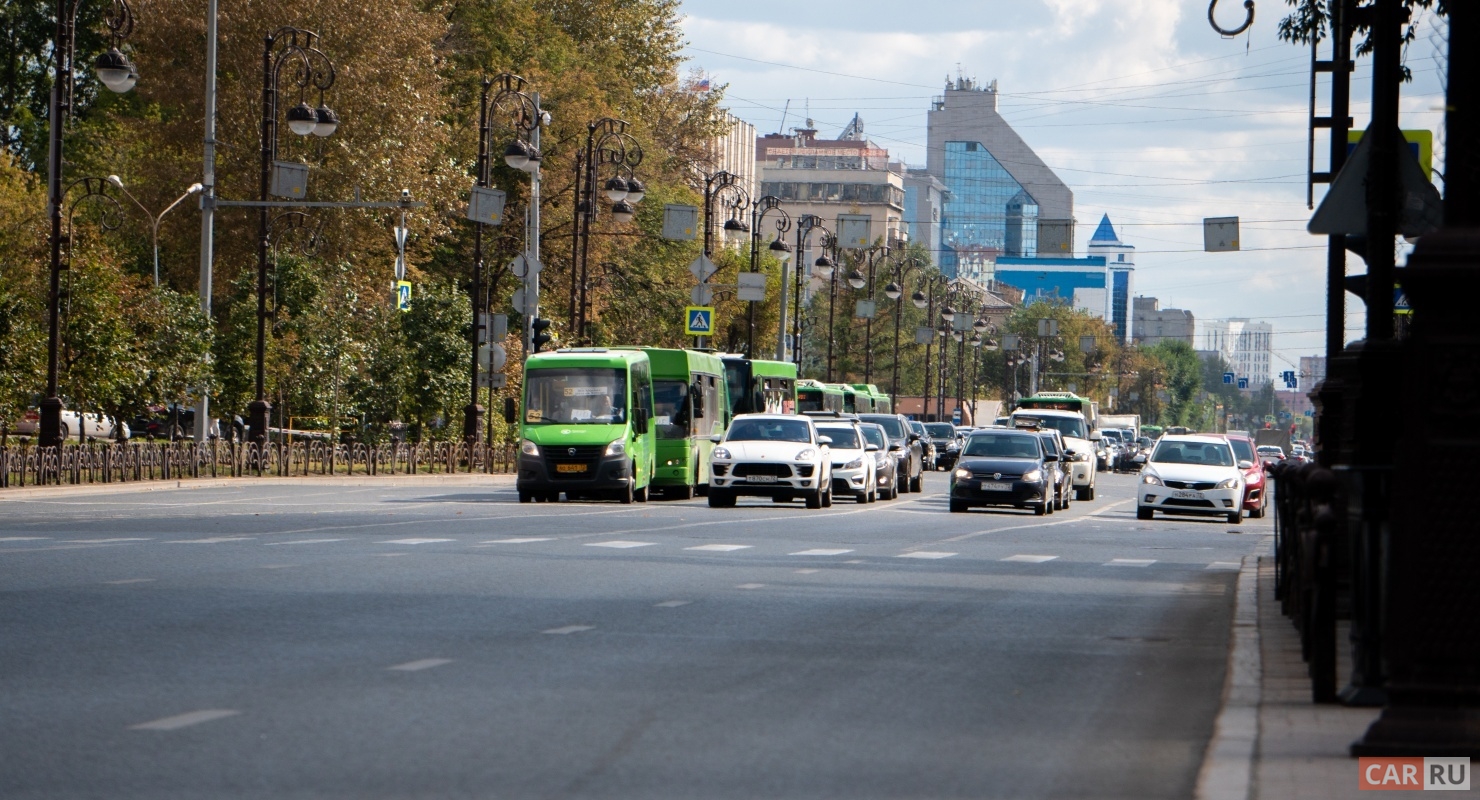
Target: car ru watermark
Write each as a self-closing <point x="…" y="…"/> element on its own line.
<point x="1414" y="774"/>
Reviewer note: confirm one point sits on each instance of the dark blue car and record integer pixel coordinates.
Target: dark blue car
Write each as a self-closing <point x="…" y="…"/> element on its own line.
<point x="1003" y="468"/>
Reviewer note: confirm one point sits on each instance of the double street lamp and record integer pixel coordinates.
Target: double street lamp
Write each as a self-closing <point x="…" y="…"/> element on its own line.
<point x="117" y="73"/>
<point x="155" y="219"/>
<point x="779" y="250"/>
<point x="522" y="153"/>
<point x="869" y="257"/>
<point x="723" y="187"/>
<point x="900" y="267"/>
<point x="930" y="287"/>
<point x="821" y="269"/>
<point x="311" y="70"/>
<point x="608" y="144"/>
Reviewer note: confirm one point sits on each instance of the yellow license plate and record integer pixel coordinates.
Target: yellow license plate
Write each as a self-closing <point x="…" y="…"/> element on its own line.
<point x="570" y="467"/>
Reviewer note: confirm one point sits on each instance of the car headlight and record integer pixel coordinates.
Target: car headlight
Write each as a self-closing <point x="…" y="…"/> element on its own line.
<point x="1081" y="456"/>
<point x="854" y="464"/>
<point x="529" y="448"/>
<point x="962" y="474"/>
<point x="953" y="446"/>
<point x="617" y="448"/>
<point x="805" y="455"/>
<point x="1033" y="475"/>
<point x="722" y="454"/>
<point x="1151" y="479"/>
<point x="1228" y="483"/>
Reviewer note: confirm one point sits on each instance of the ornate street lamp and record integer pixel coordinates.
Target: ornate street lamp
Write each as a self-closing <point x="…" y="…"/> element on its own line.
<point x="311" y="70"/>
<point x="608" y="144"/>
<point x="758" y="211"/>
<point x="115" y="71"/>
<point x="901" y="267"/>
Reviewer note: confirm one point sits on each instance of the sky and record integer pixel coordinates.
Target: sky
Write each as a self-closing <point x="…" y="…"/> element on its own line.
<point x="1138" y="105"/>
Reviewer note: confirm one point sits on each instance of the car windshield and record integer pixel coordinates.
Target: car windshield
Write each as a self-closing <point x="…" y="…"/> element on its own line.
<point x="809" y="400"/>
<point x="842" y="438"/>
<point x="1066" y="426"/>
<point x="941" y="430"/>
<point x="1242" y="449"/>
<point x="1267" y="450"/>
<point x="891" y="425"/>
<point x="1205" y="453"/>
<point x="575" y="396"/>
<point x="874" y="435"/>
<point x="769" y="430"/>
<point x="671" y="409"/>
<point x="1002" y="445"/>
<point x="1112" y="435"/>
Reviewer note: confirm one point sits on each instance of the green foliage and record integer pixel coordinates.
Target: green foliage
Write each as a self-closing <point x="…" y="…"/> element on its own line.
<point x="1311" y="21"/>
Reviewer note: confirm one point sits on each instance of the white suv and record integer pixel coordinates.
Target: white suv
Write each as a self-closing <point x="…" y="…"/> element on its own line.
<point x="853" y="463"/>
<point x="780" y="456"/>
<point x="1075" y="432"/>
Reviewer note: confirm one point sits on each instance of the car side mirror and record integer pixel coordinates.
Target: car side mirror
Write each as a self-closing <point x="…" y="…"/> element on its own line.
<point x="640" y="421"/>
<point x="897" y="446"/>
<point x="914" y="437"/>
<point x="717" y="439"/>
<point x="824" y="440"/>
<point x="1068" y="454"/>
<point x="511" y="410"/>
<point x="1245" y="465"/>
<point x="873" y="448"/>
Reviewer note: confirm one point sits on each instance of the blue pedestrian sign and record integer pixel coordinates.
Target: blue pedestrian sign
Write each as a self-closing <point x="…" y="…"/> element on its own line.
<point x="403" y="295"/>
<point x="1243" y="383"/>
<point x="699" y="320"/>
<point x="1228" y="378"/>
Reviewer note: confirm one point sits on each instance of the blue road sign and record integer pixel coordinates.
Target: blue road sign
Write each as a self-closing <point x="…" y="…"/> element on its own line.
<point x="1228" y="378"/>
<point x="1243" y="383"/>
<point x="1310" y="412"/>
<point x="699" y="320"/>
<point x="403" y="295"/>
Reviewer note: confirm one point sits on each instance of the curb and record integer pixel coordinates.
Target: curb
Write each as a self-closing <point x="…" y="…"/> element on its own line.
<point x="1228" y="764"/>
<point x="134" y="487"/>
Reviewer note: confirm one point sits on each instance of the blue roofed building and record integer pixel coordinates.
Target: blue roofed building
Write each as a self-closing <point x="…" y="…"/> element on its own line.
<point x="1100" y="283"/>
<point x="1120" y="260"/>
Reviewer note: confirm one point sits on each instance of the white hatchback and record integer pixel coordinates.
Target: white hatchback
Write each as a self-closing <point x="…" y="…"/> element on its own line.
<point x="780" y="456"/>
<point x="1192" y="475"/>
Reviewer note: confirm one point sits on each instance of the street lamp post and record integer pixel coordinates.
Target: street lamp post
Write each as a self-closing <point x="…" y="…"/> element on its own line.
<point x="924" y="297"/>
<point x="758" y="211"/>
<point x="312" y="69"/>
<point x="824" y="264"/>
<point x="116" y="72"/>
<point x="154" y="219"/>
<point x="726" y="187"/>
<point x="521" y="154"/>
<point x="901" y="267"/>
<point x="607" y="144"/>
<point x="857" y="279"/>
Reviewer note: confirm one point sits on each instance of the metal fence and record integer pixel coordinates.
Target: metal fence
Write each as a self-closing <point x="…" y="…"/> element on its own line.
<point x="1312" y="566"/>
<point x="101" y="463"/>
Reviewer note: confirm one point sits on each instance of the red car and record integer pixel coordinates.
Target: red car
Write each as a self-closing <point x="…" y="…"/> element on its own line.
<point x="1255" y="498"/>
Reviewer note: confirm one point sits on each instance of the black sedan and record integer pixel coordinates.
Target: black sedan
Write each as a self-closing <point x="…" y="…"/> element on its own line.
<point x="1003" y="468"/>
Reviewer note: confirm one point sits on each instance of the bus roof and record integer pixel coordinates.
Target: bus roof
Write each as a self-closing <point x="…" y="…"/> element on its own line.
<point x="671" y="362"/>
<point x="773" y="369"/>
<point x="870" y="389"/>
<point x="585" y="357"/>
<point x="826" y="388"/>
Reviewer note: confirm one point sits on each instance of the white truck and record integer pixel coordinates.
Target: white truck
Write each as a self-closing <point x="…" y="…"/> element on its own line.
<point x="1121" y="422"/>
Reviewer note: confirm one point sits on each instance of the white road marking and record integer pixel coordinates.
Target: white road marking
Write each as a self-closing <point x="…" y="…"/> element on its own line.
<point x="307" y="541"/>
<point x="1129" y="562"/>
<point x="569" y="629"/>
<point x="184" y="720"/>
<point x="108" y="541"/>
<point x="750" y="586"/>
<point x="620" y="545"/>
<point x="416" y="541"/>
<point x="213" y="540"/>
<point x="131" y="580"/>
<point x="521" y="540"/>
<point x="23" y="538"/>
<point x="807" y="571"/>
<point x="278" y="566"/>
<point x="672" y="603"/>
<point x="391" y="555"/>
<point x="926" y="554"/>
<point x="821" y="552"/>
<point x="1030" y="559"/>
<point x="1229" y="565"/>
<point x="720" y="548"/>
<point x="417" y="666"/>
<point x="965" y="536"/>
<point x="854" y="561"/>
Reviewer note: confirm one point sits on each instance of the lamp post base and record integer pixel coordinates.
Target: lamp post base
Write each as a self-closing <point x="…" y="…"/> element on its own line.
<point x="472" y="422"/>
<point x="51" y="422"/>
<point x="257" y="412"/>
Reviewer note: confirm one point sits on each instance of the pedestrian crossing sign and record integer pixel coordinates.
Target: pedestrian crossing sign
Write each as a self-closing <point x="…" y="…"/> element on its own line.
<point x="699" y="320"/>
<point x="403" y="295"/>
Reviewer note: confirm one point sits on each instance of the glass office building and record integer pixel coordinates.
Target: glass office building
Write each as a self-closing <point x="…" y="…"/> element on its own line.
<point x="988" y="214"/>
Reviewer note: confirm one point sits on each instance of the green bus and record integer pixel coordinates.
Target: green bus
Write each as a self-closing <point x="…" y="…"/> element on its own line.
<point x="878" y="402"/>
<point x="817" y="396"/>
<point x="689" y="401"/>
<point x="757" y="386"/>
<point x="850" y="398"/>
<point x="586" y="426"/>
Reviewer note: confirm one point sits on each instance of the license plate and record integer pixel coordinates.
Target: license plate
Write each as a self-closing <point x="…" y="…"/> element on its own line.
<point x="996" y="487"/>
<point x="762" y="479"/>
<point x="1186" y="494"/>
<point x="570" y="467"/>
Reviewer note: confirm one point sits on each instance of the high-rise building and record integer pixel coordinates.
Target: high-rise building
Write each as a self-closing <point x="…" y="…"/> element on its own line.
<point x="924" y="208"/>
<point x="828" y="177"/>
<point x="733" y="151"/>
<point x="1312" y="372"/>
<point x="1154" y="324"/>
<point x="1243" y="344"/>
<point x="1003" y="200"/>
<point x="1120" y="259"/>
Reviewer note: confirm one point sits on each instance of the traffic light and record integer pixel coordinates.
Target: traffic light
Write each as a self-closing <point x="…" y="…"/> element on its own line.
<point x="539" y="334"/>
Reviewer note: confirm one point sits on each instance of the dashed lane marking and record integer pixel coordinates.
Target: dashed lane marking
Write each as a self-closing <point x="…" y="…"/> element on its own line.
<point x="417" y="666"/>
<point x="108" y="541"/>
<point x="672" y="603"/>
<point x="975" y="534"/>
<point x="307" y="541"/>
<point x="184" y="720"/>
<point x="213" y="540"/>
<point x="720" y="548"/>
<point x="417" y="541"/>
<point x="521" y="540"/>
<point x="127" y="581"/>
<point x="927" y="554"/>
<point x="751" y="586"/>
<point x="1129" y="562"/>
<point x="620" y="544"/>
<point x="1030" y="559"/>
<point x="821" y="552"/>
<point x="23" y="538"/>
<point x="569" y="629"/>
<point x="807" y="571"/>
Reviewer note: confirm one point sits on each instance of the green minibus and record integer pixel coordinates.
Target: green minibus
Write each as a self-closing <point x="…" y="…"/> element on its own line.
<point x="758" y="386"/>
<point x="850" y="398"/>
<point x="878" y="402"/>
<point x="689" y="401"/>
<point x="818" y="396"/>
<point x="585" y="427"/>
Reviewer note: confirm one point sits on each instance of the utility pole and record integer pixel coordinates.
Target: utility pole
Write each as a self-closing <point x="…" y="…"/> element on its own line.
<point x="208" y="205"/>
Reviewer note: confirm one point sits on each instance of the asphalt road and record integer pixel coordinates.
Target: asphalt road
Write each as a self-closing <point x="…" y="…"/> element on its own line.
<point x="327" y="641"/>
